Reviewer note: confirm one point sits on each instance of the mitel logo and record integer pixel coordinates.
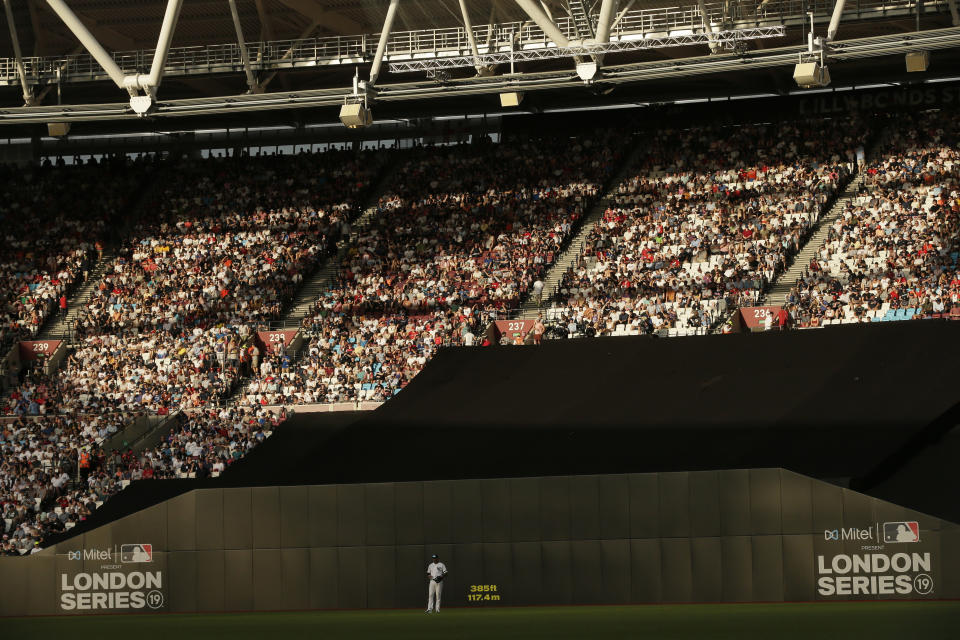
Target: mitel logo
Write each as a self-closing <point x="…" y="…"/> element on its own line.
<point x="850" y="533"/>
<point x="894" y="532"/>
<point x="91" y="554"/>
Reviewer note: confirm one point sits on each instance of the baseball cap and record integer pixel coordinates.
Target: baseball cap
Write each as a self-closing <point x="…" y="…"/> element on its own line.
<point x="434" y="556"/>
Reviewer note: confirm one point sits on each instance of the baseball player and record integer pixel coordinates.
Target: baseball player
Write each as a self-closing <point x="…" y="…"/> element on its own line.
<point x="436" y="572"/>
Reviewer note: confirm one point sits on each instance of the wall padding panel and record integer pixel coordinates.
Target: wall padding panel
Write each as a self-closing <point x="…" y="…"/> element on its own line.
<point x="706" y="536"/>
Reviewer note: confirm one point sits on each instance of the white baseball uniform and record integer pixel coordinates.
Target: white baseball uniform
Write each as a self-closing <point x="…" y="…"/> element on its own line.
<point x="434" y="570"/>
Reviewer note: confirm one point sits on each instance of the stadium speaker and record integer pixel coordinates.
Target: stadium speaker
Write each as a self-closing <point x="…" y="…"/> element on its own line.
<point x="918" y="61"/>
<point x="512" y="99"/>
<point x="58" y="129"/>
<point x="142" y="105"/>
<point x="355" y="115"/>
<point x="587" y="70"/>
<point x="811" y="74"/>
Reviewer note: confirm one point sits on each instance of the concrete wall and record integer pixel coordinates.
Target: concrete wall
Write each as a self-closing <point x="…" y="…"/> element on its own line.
<point x="730" y="536"/>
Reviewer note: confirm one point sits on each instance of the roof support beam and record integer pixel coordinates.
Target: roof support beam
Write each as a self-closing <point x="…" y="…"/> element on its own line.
<point x="151" y="82"/>
<point x="242" y="45"/>
<point x="608" y="9"/>
<point x="835" y="20"/>
<point x="28" y="99"/>
<point x="546" y="10"/>
<point x="707" y="28"/>
<point x="544" y="22"/>
<point x="382" y="45"/>
<point x="147" y="82"/>
<point x="470" y="37"/>
<point x="493" y="13"/>
<point x="541" y="17"/>
<point x="89" y="41"/>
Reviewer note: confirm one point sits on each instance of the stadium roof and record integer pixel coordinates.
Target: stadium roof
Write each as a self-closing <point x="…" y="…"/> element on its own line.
<point x="297" y="46"/>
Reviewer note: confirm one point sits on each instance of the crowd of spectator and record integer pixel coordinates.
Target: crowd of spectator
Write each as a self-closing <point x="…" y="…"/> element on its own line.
<point x="38" y="458"/>
<point x="708" y="219"/>
<point x="358" y="357"/>
<point x="41" y="459"/>
<point x="462" y="236"/>
<point x="170" y="323"/>
<point x="229" y="242"/>
<point x="221" y="251"/>
<point x="892" y="253"/>
<point x="156" y="372"/>
<point x="53" y="219"/>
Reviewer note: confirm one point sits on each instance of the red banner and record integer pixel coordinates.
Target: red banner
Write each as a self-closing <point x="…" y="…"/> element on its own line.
<point x="515" y="329"/>
<point x="33" y="349"/>
<point x="753" y="317"/>
<point x="269" y="340"/>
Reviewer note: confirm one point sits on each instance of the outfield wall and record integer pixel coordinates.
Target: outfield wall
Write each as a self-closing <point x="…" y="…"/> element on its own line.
<point x="710" y="536"/>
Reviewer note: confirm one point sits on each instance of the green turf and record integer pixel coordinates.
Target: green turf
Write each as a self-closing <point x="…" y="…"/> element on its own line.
<point x="849" y="621"/>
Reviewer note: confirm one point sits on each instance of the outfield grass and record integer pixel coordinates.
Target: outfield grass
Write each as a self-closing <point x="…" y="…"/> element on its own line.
<point x="850" y="621"/>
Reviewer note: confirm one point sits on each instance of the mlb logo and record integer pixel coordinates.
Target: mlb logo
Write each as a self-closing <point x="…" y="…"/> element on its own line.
<point x="894" y="532"/>
<point x="136" y="553"/>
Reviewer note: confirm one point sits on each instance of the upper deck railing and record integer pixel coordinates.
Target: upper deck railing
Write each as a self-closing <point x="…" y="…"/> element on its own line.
<point x="437" y="43"/>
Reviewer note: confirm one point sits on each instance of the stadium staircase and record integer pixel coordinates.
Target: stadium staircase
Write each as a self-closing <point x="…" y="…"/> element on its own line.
<point x="59" y="327"/>
<point x="778" y="292"/>
<point x="532" y="307"/>
<point x="324" y="276"/>
<point x="581" y="19"/>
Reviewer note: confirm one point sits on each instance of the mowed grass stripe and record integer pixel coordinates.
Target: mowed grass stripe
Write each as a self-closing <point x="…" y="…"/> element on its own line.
<point x="820" y="621"/>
